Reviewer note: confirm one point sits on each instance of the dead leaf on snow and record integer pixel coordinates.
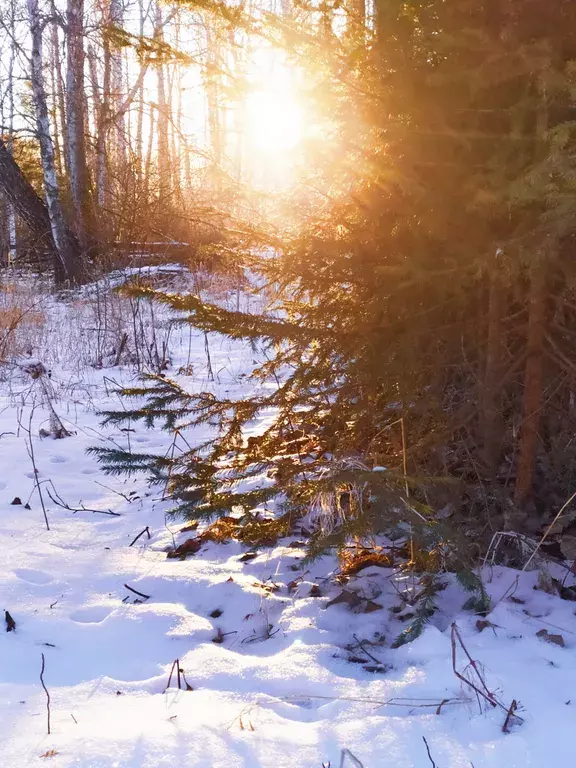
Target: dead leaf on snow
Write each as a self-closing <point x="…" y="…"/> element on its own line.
<point x="350" y="598"/>
<point x="189" y="547"/>
<point x="371" y="606"/>
<point x="50" y="753"/>
<point x="483" y="624"/>
<point x="543" y="634"/>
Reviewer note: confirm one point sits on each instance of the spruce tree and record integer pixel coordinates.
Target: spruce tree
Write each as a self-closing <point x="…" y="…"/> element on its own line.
<point x="407" y="339"/>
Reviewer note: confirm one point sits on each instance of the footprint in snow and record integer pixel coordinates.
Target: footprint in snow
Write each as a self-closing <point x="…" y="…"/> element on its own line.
<point x="33" y="577"/>
<point x="58" y="460"/>
<point x="92" y="615"/>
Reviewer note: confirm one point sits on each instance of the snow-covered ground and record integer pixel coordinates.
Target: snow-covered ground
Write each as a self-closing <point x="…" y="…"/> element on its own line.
<point x="286" y="682"/>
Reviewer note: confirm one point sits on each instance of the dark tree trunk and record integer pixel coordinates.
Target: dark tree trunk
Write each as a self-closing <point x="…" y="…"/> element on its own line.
<point x="20" y="193"/>
<point x="533" y="390"/>
<point x="492" y="425"/>
<point x="75" y="122"/>
<point x="33" y="211"/>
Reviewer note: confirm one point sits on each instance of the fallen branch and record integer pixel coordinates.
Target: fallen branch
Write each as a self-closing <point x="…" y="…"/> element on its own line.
<point x="393" y="702"/>
<point x="346" y="753"/>
<point x="547" y="531"/>
<point x="113" y="490"/>
<point x="46" y="691"/>
<point x="61" y="503"/>
<point x="140" y="594"/>
<point x="509" y="715"/>
<point x="361" y="645"/>
<point x="146" y="530"/>
<point x="428" y="750"/>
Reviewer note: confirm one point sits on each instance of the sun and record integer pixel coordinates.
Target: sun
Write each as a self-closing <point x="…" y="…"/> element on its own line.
<point x="274" y="118"/>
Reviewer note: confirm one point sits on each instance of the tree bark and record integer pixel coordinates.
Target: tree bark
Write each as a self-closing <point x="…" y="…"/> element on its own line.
<point x="164" y="169"/>
<point x="491" y="405"/>
<point x="102" y="123"/>
<point x="59" y="96"/>
<point x="23" y="199"/>
<point x="12" y="234"/>
<point x="120" y="142"/>
<point x="533" y="389"/>
<point x="213" y="103"/>
<point x="68" y="264"/>
<point x="75" y="119"/>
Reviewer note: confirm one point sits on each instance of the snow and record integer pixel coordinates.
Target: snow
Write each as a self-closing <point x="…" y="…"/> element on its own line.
<point x="266" y="696"/>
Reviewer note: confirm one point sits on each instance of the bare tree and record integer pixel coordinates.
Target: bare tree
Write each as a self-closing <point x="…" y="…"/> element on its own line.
<point x="9" y="93"/>
<point x="68" y="264"/>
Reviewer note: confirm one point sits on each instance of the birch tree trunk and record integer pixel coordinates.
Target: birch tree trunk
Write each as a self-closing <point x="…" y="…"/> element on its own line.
<point x="68" y="264"/>
<point x="12" y="241"/>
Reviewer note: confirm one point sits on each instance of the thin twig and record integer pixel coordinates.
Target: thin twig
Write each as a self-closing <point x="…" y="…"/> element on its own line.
<point x="81" y="508"/>
<point x="482" y="692"/>
<point x="428" y="750"/>
<point x="547" y="531"/>
<point x="361" y="645"/>
<point x="30" y="450"/>
<point x="141" y="594"/>
<point x="393" y="702"/>
<point x="509" y="715"/>
<point x="174" y="664"/>
<point x="346" y="753"/>
<point x="46" y="690"/>
<point x="113" y="490"/>
<point x="146" y="530"/>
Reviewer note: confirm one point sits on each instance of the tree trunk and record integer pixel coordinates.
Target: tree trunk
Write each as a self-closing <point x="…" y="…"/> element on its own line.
<point x="68" y="264"/>
<point x="533" y="389"/>
<point x="164" y="170"/>
<point x="120" y="142"/>
<point x="356" y="21"/>
<point x="12" y="235"/>
<point x="491" y="406"/>
<point x="140" y="114"/>
<point x="24" y="200"/>
<point x="213" y="104"/>
<point x="59" y="97"/>
<point x="102" y="123"/>
<point x="75" y="120"/>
